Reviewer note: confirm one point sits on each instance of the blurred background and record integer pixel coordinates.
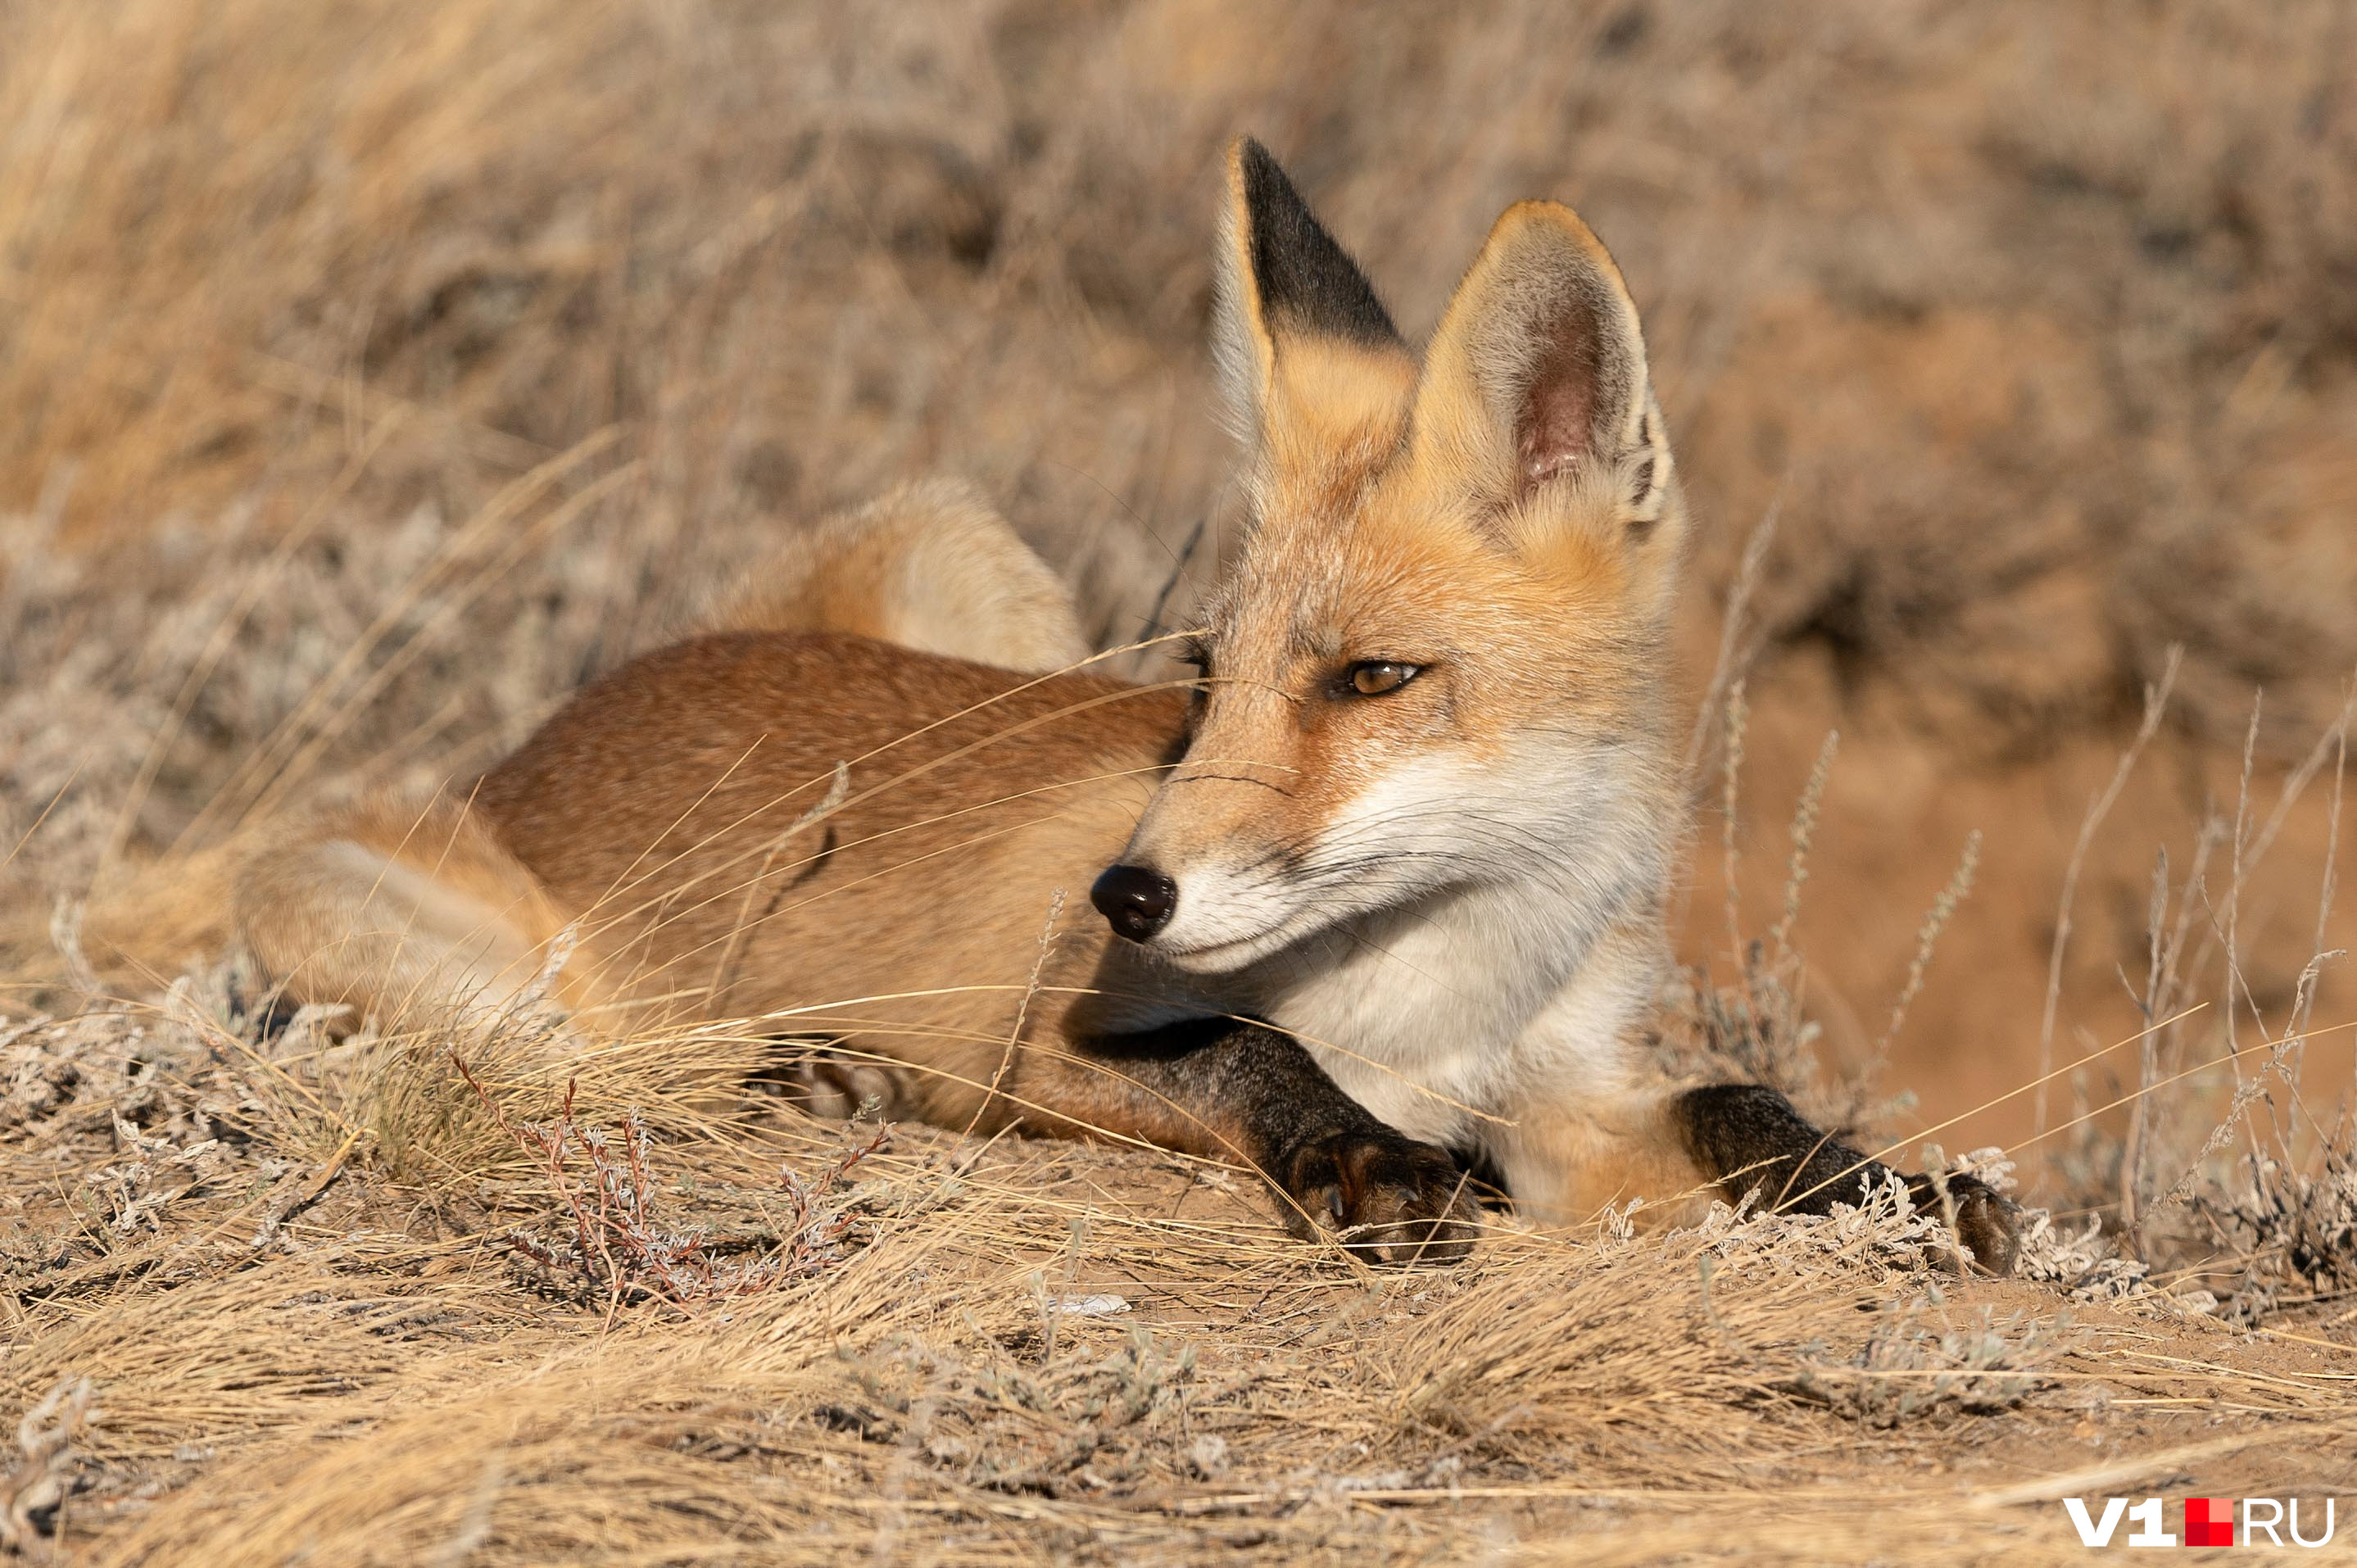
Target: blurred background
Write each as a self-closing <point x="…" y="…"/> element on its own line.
<point x="371" y="372"/>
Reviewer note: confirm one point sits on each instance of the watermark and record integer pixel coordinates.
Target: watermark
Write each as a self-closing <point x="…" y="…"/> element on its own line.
<point x="2207" y="1521"/>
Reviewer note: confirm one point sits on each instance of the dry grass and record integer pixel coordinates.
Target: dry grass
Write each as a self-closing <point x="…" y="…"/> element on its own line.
<point x="369" y="374"/>
<point x="999" y="1352"/>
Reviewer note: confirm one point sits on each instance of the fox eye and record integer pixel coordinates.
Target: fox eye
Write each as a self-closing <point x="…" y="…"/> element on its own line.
<point x="1195" y="654"/>
<point x="1377" y="676"/>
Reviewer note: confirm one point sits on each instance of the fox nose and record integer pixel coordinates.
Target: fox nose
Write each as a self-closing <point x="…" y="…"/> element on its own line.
<point x="1136" y="902"/>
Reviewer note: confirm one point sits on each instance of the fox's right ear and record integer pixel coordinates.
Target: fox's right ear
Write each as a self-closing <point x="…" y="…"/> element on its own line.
<point x="1286" y="291"/>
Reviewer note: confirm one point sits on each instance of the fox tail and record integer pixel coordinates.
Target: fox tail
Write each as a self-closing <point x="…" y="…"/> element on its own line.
<point x="930" y="566"/>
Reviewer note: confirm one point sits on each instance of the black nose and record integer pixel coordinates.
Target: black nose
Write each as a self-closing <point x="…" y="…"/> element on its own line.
<point x="1136" y="902"/>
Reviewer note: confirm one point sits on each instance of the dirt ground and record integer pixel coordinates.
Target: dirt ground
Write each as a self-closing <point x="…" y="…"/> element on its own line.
<point x="1005" y="1351"/>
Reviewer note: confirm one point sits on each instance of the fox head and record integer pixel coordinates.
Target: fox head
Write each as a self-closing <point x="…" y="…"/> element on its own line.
<point x="1436" y="664"/>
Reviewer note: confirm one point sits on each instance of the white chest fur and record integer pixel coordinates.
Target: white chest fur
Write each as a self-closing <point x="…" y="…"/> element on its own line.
<point x="1434" y="1015"/>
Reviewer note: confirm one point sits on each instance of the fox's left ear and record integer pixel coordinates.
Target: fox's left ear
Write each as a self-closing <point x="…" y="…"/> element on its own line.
<point x="1535" y="382"/>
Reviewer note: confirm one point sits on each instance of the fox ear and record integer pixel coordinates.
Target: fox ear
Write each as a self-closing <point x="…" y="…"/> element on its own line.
<point x="1282" y="284"/>
<point x="1536" y="376"/>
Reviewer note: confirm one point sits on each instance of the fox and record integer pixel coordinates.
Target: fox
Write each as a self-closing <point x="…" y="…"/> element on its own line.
<point x="1376" y="899"/>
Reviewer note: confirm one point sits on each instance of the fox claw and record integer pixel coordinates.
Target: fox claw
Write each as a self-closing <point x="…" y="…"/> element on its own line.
<point x="1988" y="1222"/>
<point x="1387" y="1197"/>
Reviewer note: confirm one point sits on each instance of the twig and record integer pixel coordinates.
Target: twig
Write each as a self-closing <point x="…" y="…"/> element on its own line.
<point x="1942" y="911"/>
<point x="2156" y="704"/>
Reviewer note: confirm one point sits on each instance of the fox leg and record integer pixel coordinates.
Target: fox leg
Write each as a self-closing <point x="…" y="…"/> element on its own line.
<point x="1244" y="1091"/>
<point x="1748" y="1137"/>
<point x="390" y="907"/>
<point x="1676" y="1147"/>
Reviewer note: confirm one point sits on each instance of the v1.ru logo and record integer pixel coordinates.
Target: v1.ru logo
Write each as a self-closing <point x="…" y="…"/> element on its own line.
<point x="2209" y="1521"/>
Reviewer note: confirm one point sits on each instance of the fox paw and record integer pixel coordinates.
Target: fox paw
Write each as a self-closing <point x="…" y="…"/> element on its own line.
<point x="1386" y="1197"/>
<point x="837" y="1088"/>
<point x="1988" y="1222"/>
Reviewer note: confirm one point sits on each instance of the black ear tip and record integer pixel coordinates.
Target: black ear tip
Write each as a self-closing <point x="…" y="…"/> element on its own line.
<point x="1301" y="274"/>
<point x="1265" y="179"/>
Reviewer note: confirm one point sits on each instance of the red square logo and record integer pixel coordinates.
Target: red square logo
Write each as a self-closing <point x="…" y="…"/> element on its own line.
<point x="2209" y="1521"/>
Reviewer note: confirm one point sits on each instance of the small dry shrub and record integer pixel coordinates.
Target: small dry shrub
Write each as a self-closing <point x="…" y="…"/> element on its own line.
<point x="33" y="1495"/>
<point x="1090" y="1420"/>
<point x="2292" y="1231"/>
<point x="608" y="1232"/>
<point x="1911" y="1368"/>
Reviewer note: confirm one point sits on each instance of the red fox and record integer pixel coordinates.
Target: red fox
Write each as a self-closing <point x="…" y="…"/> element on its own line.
<point x="1380" y="892"/>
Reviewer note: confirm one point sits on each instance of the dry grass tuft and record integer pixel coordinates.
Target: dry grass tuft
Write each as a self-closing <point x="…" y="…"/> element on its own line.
<point x="969" y="1351"/>
<point x="2293" y="1233"/>
<point x="622" y="1249"/>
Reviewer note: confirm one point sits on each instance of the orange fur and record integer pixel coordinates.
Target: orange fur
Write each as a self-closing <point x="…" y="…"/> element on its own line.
<point x="393" y="908"/>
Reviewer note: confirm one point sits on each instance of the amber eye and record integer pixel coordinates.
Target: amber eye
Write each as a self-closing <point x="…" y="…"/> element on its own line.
<point x="1195" y="654"/>
<point x="1377" y="676"/>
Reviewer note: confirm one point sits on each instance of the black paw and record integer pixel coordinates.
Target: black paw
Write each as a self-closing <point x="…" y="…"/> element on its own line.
<point x="1386" y="1197"/>
<point x="1987" y="1221"/>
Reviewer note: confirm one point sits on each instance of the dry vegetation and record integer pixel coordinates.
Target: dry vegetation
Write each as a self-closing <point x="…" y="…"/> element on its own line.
<point x="370" y="373"/>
